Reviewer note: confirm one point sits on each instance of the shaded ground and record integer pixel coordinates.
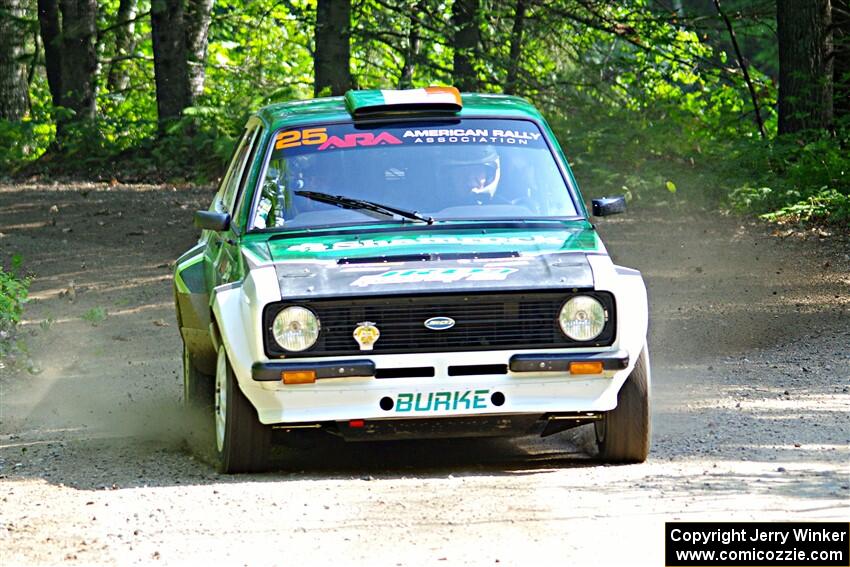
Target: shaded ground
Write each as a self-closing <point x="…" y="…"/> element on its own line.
<point x="750" y="336"/>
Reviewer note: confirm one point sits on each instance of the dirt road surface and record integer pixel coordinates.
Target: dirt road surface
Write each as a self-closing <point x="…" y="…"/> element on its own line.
<point x="751" y="370"/>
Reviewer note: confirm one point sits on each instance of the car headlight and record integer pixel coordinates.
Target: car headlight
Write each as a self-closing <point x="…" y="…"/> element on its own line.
<point x="296" y="328"/>
<point x="582" y="318"/>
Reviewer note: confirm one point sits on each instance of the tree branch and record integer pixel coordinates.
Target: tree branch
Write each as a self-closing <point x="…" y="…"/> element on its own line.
<point x="743" y="65"/>
<point x="103" y="31"/>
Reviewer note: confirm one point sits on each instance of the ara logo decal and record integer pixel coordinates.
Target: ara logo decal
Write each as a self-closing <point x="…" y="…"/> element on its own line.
<point x="437" y="275"/>
<point x="439" y="323"/>
<point x="359" y="139"/>
<point x="436" y="401"/>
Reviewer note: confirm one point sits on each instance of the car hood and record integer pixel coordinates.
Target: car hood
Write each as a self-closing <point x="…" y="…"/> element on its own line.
<point x="434" y="261"/>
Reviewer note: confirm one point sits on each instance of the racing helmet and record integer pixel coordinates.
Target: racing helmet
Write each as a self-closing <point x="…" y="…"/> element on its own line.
<point x="473" y="168"/>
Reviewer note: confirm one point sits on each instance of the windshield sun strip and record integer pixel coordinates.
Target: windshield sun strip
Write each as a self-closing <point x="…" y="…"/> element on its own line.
<point x="561" y="166"/>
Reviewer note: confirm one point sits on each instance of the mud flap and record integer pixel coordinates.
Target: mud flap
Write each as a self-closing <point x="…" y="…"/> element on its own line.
<point x="193" y="311"/>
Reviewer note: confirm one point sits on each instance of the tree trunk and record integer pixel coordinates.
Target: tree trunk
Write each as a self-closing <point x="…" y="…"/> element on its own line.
<point x="331" y="58"/>
<point x="411" y="54"/>
<point x="171" y="70"/>
<point x="516" y="46"/>
<point x="48" y="23"/>
<point x="841" y="70"/>
<point x="805" y="64"/>
<point x="14" y="90"/>
<point x="197" y="26"/>
<point x="466" y="40"/>
<point x="79" y="57"/>
<point x="125" y="44"/>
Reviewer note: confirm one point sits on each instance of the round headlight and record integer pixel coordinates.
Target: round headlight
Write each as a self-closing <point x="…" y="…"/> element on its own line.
<point x="296" y="328"/>
<point x="582" y="318"/>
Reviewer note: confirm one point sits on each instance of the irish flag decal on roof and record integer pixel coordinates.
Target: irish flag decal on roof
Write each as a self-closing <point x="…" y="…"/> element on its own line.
<point x="363" y="103"/>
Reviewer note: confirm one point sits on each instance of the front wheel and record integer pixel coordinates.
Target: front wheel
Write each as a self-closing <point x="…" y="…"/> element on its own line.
<point x="242" y="442"/>
<point x="622" y="435"/>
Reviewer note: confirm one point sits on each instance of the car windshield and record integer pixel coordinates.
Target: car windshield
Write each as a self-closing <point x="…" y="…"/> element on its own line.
<point x="472" y="169"/>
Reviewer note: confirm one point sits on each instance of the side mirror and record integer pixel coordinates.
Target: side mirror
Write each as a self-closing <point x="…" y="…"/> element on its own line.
<point x="211" y="220"/>
<point x="609" y="206"/>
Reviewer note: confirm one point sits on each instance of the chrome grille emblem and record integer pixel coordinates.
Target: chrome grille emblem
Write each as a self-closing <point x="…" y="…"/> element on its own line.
<point x="439" y="323"/>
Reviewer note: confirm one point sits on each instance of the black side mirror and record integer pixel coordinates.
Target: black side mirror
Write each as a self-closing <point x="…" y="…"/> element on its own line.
<point x="211" y="220"/>
<point x="609" y="206"/>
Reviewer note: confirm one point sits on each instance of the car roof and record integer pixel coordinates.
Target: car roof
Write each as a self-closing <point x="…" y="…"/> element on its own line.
<point x="333" y="109"/>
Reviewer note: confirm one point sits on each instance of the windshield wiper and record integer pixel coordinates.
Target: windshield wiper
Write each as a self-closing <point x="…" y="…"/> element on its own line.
<point x="349" y="203"/>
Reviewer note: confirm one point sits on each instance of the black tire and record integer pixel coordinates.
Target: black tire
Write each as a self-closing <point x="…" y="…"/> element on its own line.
<point x="198" y="388"/>
<point x="243" y="444"/>
<point x="623" y="434"/>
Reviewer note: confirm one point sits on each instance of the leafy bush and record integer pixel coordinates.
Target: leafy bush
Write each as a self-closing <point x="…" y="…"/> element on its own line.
<point x="795" y="178"/>
<point x="14" y="290"/>
<point x="824" y="206"/>
<point x="95" y="315"/>
<point x="22" y="142"/>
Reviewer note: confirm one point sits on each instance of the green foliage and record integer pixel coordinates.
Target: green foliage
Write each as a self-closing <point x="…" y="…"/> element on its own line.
<point x="95" y="315"/>
<point x="646" y="156"/>
<point x="827" y="205"/>
<point x="797" y="180"/>
<point x="22" y="142"/>
<point x="46" y="324"/>
<point x="648" y="101"/>
<point x="14" y="289"/>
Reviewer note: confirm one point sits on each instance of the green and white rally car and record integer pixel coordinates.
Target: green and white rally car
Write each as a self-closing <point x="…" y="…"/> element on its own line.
<point x="408" y="264"/>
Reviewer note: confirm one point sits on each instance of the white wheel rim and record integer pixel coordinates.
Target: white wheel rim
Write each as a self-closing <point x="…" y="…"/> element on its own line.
<point x="220" y="399"/>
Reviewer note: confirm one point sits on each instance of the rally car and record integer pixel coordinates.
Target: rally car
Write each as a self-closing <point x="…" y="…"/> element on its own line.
<point x="408" y="264"/>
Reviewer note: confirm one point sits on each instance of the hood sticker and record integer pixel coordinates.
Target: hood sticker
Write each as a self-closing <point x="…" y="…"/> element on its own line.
<point x="439" y="275"/>
<point x="429" y="240"/>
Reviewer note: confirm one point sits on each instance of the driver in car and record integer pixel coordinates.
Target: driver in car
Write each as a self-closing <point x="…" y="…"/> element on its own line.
<point x="473" y="174"/>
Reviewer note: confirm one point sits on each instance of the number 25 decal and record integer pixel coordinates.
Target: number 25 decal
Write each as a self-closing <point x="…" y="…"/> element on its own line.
<point x="306" y="137"/>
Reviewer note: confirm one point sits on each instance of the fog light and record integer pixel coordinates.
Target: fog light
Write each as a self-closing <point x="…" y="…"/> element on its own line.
<point x="298" y="376"/>
<point x="585" y="368"/>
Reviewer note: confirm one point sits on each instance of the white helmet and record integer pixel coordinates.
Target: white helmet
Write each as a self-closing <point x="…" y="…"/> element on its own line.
<point x="476" y="168"/>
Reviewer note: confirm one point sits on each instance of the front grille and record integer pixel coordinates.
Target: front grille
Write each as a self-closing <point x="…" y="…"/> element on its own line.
<point x="482" y="322"/>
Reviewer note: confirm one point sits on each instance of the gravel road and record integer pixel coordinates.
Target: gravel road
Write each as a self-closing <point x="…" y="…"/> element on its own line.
<point x="750" y="329"/>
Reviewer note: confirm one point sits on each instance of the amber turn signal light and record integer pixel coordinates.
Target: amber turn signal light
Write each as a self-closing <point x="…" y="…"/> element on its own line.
<point x="298" y="376"/>
<point x="585" y="368"/>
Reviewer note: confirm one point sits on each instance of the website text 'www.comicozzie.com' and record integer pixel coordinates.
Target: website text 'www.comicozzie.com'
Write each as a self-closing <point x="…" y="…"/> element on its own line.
<point x="688" y="556"/>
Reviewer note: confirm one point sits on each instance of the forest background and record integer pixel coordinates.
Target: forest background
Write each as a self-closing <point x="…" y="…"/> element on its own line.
<point x="745" y="100"/>
<point x="738" y="103"/>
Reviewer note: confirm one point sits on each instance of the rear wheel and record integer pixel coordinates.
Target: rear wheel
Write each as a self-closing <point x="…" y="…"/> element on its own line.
<point x="622" y="435"/>
<point x="242" y="442"/>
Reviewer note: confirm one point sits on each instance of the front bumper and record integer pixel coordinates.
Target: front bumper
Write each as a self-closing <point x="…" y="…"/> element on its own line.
<point x="537" y="362"/>
<point x="352" y="389"/>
